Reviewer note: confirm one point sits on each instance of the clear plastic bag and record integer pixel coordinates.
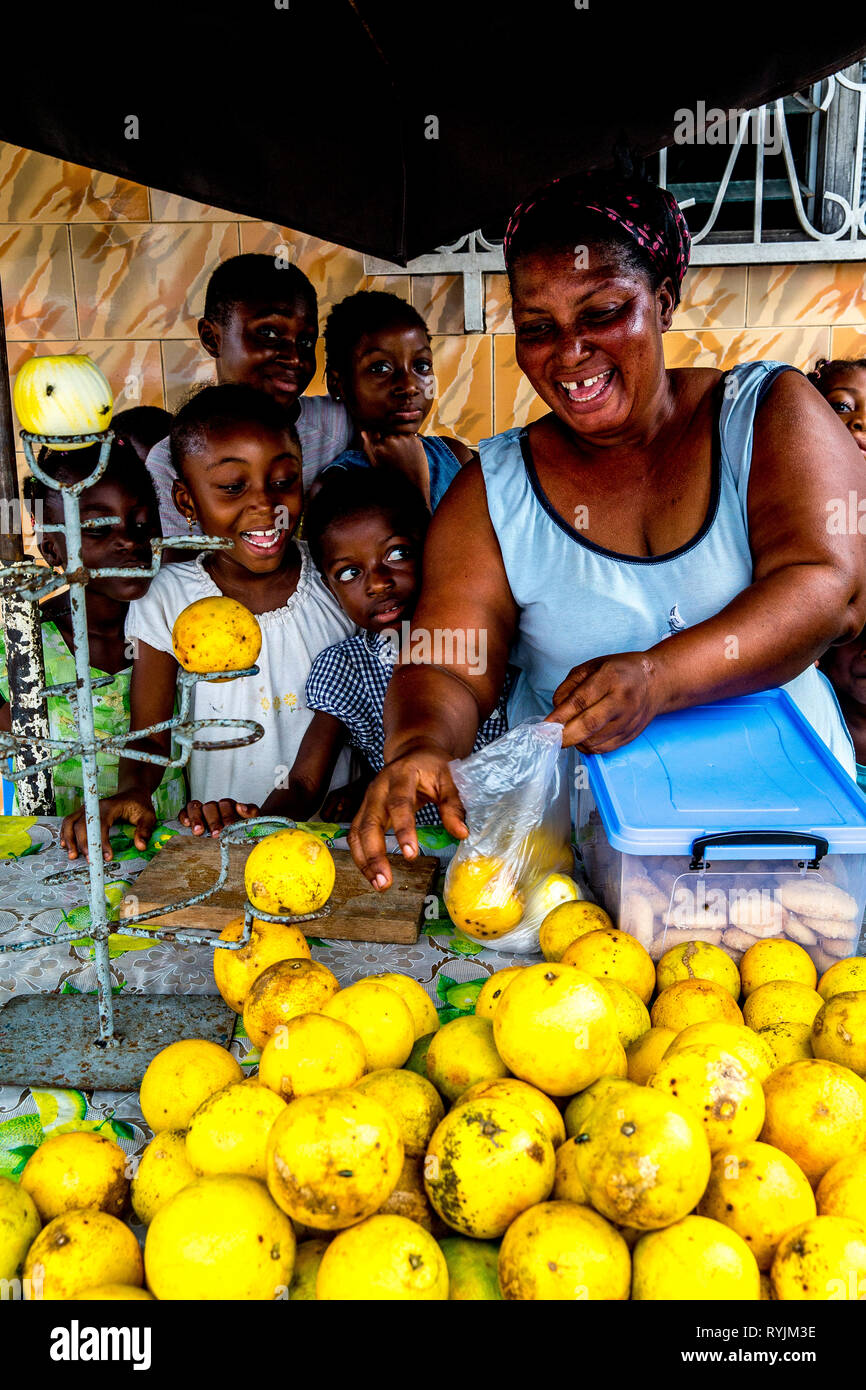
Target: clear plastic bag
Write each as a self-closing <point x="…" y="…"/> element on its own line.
<point x="515" y="866"/>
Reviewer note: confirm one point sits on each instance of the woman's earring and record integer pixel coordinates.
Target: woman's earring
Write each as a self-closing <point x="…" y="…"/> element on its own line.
<point x="190" y="521"/>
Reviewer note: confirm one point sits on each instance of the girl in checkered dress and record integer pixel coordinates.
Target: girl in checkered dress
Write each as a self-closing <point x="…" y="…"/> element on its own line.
<point x="365" y="530"/>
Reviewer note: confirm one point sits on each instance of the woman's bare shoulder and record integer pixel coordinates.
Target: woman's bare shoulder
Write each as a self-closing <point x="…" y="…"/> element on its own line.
<point x="694" y="384"/>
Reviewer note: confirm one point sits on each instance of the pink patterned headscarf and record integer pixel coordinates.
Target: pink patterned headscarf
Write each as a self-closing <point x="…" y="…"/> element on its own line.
<point x="648" y="214"/>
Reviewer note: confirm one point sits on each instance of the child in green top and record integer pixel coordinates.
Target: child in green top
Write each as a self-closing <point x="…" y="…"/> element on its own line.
<point x="124" y="490"/>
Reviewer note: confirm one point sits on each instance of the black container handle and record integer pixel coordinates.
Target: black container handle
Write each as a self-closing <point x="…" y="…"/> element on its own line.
<point x="759" y="837"/>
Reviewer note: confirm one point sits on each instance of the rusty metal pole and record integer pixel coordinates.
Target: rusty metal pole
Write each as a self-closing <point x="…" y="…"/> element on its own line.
<point x="25" y="667"/>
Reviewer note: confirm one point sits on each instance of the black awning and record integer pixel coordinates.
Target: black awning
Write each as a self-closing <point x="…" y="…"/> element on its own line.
<point x="383" y="127"/>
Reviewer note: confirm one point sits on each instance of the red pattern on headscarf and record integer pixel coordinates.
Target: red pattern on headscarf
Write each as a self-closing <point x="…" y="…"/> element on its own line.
<point x="648" y="214"/>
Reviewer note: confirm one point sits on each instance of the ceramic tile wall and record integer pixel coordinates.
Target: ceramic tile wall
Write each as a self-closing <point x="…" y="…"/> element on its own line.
<point x="96" y="264"/>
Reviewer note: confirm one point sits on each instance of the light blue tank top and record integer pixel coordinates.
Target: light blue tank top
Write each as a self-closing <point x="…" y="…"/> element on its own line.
<point x="442" y="465"/>
<point x="578" y="601"/>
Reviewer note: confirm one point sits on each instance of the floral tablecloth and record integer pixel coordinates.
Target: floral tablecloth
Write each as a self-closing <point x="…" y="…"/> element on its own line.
<point x="39" y="896"/>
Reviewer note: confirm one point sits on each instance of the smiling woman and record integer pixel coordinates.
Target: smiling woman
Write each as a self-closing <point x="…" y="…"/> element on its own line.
<point x="656" y="541"/>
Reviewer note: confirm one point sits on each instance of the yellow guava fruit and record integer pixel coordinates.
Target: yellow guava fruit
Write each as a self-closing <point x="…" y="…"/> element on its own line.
<point x="234" y="971"/>
<point x="216" y="634"/>
<point x="482" y="896"/>
<point x="290" y="872"/>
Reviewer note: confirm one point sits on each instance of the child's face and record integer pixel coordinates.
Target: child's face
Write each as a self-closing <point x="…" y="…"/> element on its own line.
<point x="847" y="395"/>
<point x="373" y="569"/>
<point x="845" y="668"/>
<point x="246" y="485"/>
<point x="126" y="545"/>
<point x="392" y="383"/>
<point x="269" y="346"/>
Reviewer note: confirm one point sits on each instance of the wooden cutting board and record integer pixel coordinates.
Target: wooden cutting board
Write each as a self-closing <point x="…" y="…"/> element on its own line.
<point x="187" y="865"/>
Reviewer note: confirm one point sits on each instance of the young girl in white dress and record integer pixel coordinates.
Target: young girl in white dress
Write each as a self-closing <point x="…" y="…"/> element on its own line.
<point x="239" y="476"/>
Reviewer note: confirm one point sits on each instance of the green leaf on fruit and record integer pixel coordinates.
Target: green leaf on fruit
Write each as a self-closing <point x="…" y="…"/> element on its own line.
<point x="446" y="1015"/>
<point x="438" y="927"/>
<point x="14" y="1161"/>
<point x="464" y="996"/>
<point x="463" y="946"/>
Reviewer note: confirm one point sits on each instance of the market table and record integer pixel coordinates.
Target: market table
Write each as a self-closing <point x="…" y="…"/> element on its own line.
<point x="449" y="966"/>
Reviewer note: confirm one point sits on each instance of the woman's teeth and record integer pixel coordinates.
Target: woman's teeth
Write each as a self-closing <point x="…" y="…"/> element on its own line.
<point x="588" y="388"/>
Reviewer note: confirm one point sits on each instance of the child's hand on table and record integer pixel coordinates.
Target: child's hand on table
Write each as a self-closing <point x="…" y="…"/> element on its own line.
<point x="135" y="807"/>
<point x="210" y="817"/>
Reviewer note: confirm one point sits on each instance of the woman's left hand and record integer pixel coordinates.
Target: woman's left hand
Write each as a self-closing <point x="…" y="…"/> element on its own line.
<point x="608" y="701"/>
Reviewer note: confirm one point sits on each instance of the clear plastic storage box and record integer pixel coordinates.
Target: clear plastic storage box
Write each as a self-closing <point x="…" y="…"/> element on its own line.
<point x="727" y="823"/>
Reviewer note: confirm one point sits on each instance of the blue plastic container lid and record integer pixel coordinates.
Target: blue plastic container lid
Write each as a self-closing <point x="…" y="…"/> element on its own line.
<point x="753" y="763"/>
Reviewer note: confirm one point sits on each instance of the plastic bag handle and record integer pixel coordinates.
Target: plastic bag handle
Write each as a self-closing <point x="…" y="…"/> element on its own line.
<point x="759" y="837"/>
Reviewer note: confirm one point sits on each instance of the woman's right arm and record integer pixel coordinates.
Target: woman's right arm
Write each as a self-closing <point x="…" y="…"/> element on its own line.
<point x="448" y="678"/>
<point x="151" y="701"/>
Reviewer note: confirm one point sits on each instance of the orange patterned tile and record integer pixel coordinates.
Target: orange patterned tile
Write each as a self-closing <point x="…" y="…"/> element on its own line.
<point x="133" y="369"/>
<point x="713" y="297"/>
<point x="333" y="270"/>
<point x="140" y="281"/>
<point x="317" y="386"/>
<point x="514" y="400"/>
<point x="497" y="304"/>
<point x="38" y="289"/>
<point x="439" y="301"/>
<point x="390" y="284"/>
<point x="464" y="399"/>
<point x="172" y="207"/>
<point x="39" y="188"/>
<point x="826" y="293"/>
<point x="185" y="365"/>
<point x="727" y="346"/>
<point x="848" y="342"/>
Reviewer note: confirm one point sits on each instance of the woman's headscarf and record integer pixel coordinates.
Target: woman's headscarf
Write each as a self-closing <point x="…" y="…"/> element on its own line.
<point x="649" y="215"/>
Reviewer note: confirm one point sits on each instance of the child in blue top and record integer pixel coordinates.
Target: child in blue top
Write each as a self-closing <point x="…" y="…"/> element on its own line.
<point x="379" y="362"/>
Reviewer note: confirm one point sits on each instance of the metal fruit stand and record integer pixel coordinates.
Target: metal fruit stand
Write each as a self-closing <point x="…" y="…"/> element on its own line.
<point x="56" y="1039"/>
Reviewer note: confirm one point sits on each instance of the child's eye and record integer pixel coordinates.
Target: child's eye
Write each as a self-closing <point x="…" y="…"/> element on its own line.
<point x="345" y="576"/>
<point x="286" y="484"/>
<point x="265" y="331"/>
<point x="423" y="367"/>
<point x="380" y="368"/>
<point x="399" y="552"/>
<point x="306" y="343"/>
<point x="840" y="407"/>
<point x="231" y="488"/>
